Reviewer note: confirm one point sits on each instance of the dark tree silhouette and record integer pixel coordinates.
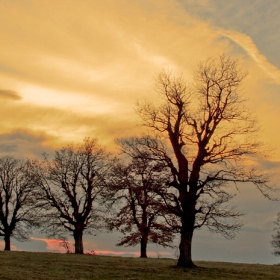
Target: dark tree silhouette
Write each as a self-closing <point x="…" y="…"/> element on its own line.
<point x="275" y="243"/>
<point x="211" y="134"/>
<point x="71" y="185"/>
<point x="140" y="213"/>
<point x="17" y="200"/>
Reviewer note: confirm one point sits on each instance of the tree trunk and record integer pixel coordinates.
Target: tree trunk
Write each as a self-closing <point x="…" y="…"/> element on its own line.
<point x="143" y="245"/>
<point x="78" y="237"/>
<point x="144" y="232"/>
<point x="7" y="239"/>
<point x="185" y="247"/>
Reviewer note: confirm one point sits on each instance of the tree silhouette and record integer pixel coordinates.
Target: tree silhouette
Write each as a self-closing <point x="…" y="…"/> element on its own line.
<point x="17" y="200"/>
<point x="211" y="134"/>
<point x="140" y="213"/>
<point x="275" y="243"/>
<point x="71" y="185"/>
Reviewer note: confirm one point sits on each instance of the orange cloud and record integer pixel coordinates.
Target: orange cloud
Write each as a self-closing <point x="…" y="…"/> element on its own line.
<point x="53" y="245"/>
<point x="151" y="254"/>
<point x="80" y="71"/>
<point x="114" y="253"/>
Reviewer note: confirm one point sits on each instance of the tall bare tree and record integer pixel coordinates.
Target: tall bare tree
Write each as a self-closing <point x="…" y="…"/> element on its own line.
<point x="17" y="200"/>
<point x="140" y="213"/>
<point x="71" y="185"/>
<point x="211" y="134"/>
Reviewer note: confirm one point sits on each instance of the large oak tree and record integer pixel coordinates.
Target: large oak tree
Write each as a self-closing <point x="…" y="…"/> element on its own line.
<point x="211" y="134"/>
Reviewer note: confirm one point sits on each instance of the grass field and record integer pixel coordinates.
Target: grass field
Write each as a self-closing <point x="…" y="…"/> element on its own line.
<point x="27" y="265"/>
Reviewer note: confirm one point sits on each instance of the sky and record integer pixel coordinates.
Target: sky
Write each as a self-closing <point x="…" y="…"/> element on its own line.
<point x="71" y="69"/>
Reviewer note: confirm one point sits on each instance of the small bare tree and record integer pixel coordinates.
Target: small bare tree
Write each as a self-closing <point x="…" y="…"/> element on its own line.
<point x="211" y="134"/>
<point x="64" y="244"/>
<point x="275" y="243"/>
<point x="140" y="213"/>
<point x="17" y="200"/>
<point x="71" y="185"/>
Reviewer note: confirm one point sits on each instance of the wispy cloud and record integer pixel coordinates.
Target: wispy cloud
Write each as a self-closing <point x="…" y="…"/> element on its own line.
<point x="9" y="94"/>
<point x="247" y="44"/>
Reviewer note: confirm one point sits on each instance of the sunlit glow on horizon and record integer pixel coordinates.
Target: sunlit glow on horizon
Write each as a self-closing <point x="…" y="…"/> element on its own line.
<point x="54" y="245"/>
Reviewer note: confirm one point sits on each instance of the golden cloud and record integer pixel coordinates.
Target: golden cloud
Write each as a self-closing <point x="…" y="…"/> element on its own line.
<point x="9" y="94"/>
<point x="81" y="69"/>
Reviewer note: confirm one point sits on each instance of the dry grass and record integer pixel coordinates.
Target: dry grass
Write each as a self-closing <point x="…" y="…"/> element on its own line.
<point x="27" y="265"/>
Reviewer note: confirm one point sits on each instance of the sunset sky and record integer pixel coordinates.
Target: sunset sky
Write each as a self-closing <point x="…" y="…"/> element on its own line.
<point x="71" y="69"/>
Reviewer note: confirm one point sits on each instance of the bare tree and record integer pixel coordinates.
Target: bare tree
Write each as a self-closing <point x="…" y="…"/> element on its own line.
<point x="71" y="185"/>
<point x="211" y="135"/>
<point x="275" y="243"/>
<point x="17" y="200"/>
<point x="140" y="213"/>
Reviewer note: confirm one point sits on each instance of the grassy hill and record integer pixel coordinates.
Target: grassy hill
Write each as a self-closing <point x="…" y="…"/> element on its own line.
<point x="27" y="265"/>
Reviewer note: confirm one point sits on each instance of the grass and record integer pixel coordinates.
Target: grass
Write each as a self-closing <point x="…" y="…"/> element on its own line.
<point x="27" y="265"/>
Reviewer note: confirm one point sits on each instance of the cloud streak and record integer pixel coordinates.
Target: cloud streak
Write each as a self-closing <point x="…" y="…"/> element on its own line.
<point x="9" y="94"/>
<point x="246" y="43"/>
